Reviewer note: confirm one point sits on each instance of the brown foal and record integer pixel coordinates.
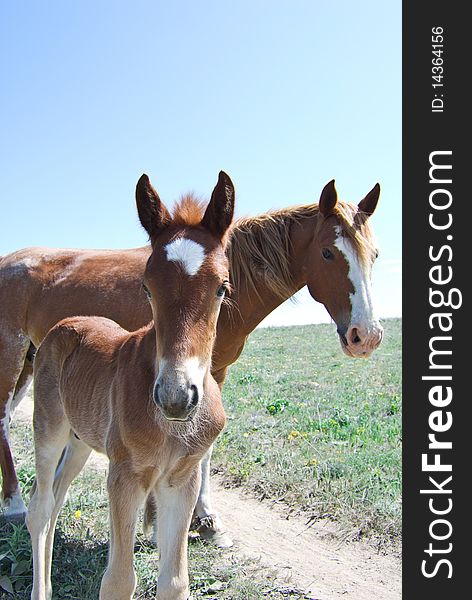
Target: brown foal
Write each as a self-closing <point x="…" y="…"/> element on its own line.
<point x="146" y="399"/>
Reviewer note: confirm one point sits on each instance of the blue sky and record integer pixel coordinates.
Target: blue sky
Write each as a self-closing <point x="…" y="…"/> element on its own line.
<point x="284" y="96"/>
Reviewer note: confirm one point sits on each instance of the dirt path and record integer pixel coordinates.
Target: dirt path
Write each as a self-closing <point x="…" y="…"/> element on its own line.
<point x="307" y="559"/>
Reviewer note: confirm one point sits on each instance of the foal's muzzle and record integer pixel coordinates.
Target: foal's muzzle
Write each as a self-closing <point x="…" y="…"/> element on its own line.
<point x="176" y="404"/>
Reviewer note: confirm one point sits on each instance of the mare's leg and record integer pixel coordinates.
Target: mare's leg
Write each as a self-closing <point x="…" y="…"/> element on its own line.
<point x="210" y="527"/>
<point x="24" y="380"/>
<point x="49" y="444"/>
<point x="150" y="518"/>
<point x="174" y="512"/>
<point x="125" y="496"/>
<point x="74" y="458"/>
<point x="13" y="350"/>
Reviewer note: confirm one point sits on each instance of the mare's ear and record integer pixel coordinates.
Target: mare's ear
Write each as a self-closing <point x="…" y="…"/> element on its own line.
<point x="328" y="199"/>
<point x="368" y="204"/>
<point x="219" y="212"/>
<point x="153" y="215"/>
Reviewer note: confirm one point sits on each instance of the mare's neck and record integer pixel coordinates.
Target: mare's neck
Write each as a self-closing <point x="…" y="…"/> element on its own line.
<point x="254" y="308"/>
<point x="246" y="309"/>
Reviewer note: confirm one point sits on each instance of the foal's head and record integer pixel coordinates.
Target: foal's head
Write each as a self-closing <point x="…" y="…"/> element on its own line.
<point x="186" y="279"/>
<point x="341" y="255"/>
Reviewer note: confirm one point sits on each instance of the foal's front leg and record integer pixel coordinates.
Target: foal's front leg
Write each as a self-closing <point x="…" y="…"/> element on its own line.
<point x="126" y="496"/>
<point x="209" y="524"/>
<point x="174" y="512"/>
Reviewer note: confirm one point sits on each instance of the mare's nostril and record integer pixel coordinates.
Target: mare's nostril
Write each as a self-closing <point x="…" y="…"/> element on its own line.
<point x="355" y="339"/>
<point x="194" y="395"/>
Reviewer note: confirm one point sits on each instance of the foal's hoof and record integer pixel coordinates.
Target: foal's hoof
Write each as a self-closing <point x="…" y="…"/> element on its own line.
<point x="210" y="530"/>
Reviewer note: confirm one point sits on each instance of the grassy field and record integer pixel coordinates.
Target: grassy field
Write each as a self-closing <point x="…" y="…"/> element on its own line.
<point x="81" y="549"/>
<point x="318" y="429"/>
<point x="307" y="426"/>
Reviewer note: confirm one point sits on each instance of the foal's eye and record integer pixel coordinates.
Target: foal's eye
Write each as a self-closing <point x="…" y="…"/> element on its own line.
<point x="147" y="292"/>
<point x="327" y="254"/>
<point x="222" y="290"/>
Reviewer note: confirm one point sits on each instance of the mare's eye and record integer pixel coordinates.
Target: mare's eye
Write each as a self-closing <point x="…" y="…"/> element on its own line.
<point x="327" y="254"/>
<point x="222" y="290"/>
<point x="147" y="292"/>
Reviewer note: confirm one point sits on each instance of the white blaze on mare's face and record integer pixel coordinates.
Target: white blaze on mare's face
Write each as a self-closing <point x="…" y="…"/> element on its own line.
<point x="188" y="253"/>
<point x="362" y="310"/>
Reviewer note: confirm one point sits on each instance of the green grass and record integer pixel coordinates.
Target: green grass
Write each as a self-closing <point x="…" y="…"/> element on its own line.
<point x="316" y="428"/>
<point x="81" y="548"/>
<point x="307" y="426"/>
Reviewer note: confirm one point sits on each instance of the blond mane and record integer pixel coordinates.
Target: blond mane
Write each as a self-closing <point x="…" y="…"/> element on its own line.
<point x="260" y="247"/>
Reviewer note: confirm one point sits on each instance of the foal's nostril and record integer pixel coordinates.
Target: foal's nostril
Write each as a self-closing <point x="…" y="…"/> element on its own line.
<point x="194" y="395"/>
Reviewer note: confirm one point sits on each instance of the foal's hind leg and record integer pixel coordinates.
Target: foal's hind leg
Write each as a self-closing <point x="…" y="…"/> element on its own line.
<point x="73" y="461"/>
<point x="49" y="444"/>
<point x="13" y="350"/>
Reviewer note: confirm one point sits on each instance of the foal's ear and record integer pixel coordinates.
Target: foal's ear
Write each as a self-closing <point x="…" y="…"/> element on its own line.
<point x="153" y="215"/>
<point x="219" y="212"/>
<point x="368" y="204"/>
<point x="328" y="199"/>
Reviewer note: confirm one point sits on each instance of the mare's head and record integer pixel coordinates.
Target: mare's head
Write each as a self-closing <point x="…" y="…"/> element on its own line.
<point x="186" y="278"/>
<point x="339" y="265"/>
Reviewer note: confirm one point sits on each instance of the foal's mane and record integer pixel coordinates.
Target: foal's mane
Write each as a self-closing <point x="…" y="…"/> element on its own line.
<point x="260" y="247"/>
<point x="188" y="211"/>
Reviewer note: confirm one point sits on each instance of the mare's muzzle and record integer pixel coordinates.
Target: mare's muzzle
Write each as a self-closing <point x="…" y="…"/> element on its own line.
<point x="359" y="340"/>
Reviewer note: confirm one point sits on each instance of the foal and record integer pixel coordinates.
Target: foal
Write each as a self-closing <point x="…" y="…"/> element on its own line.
<point x="145" y="399"/>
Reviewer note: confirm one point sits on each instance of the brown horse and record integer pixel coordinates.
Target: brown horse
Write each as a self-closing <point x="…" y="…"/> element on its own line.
<point x="145" y="399"/>
<point x="327" y="246"/>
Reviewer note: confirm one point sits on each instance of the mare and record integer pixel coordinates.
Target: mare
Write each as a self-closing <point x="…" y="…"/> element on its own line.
<point x="146" y="399"/>
<point x="327" y="246"/>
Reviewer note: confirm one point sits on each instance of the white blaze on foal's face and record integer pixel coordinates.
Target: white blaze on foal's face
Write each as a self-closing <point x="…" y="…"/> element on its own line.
<point x="189" y="254"/>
